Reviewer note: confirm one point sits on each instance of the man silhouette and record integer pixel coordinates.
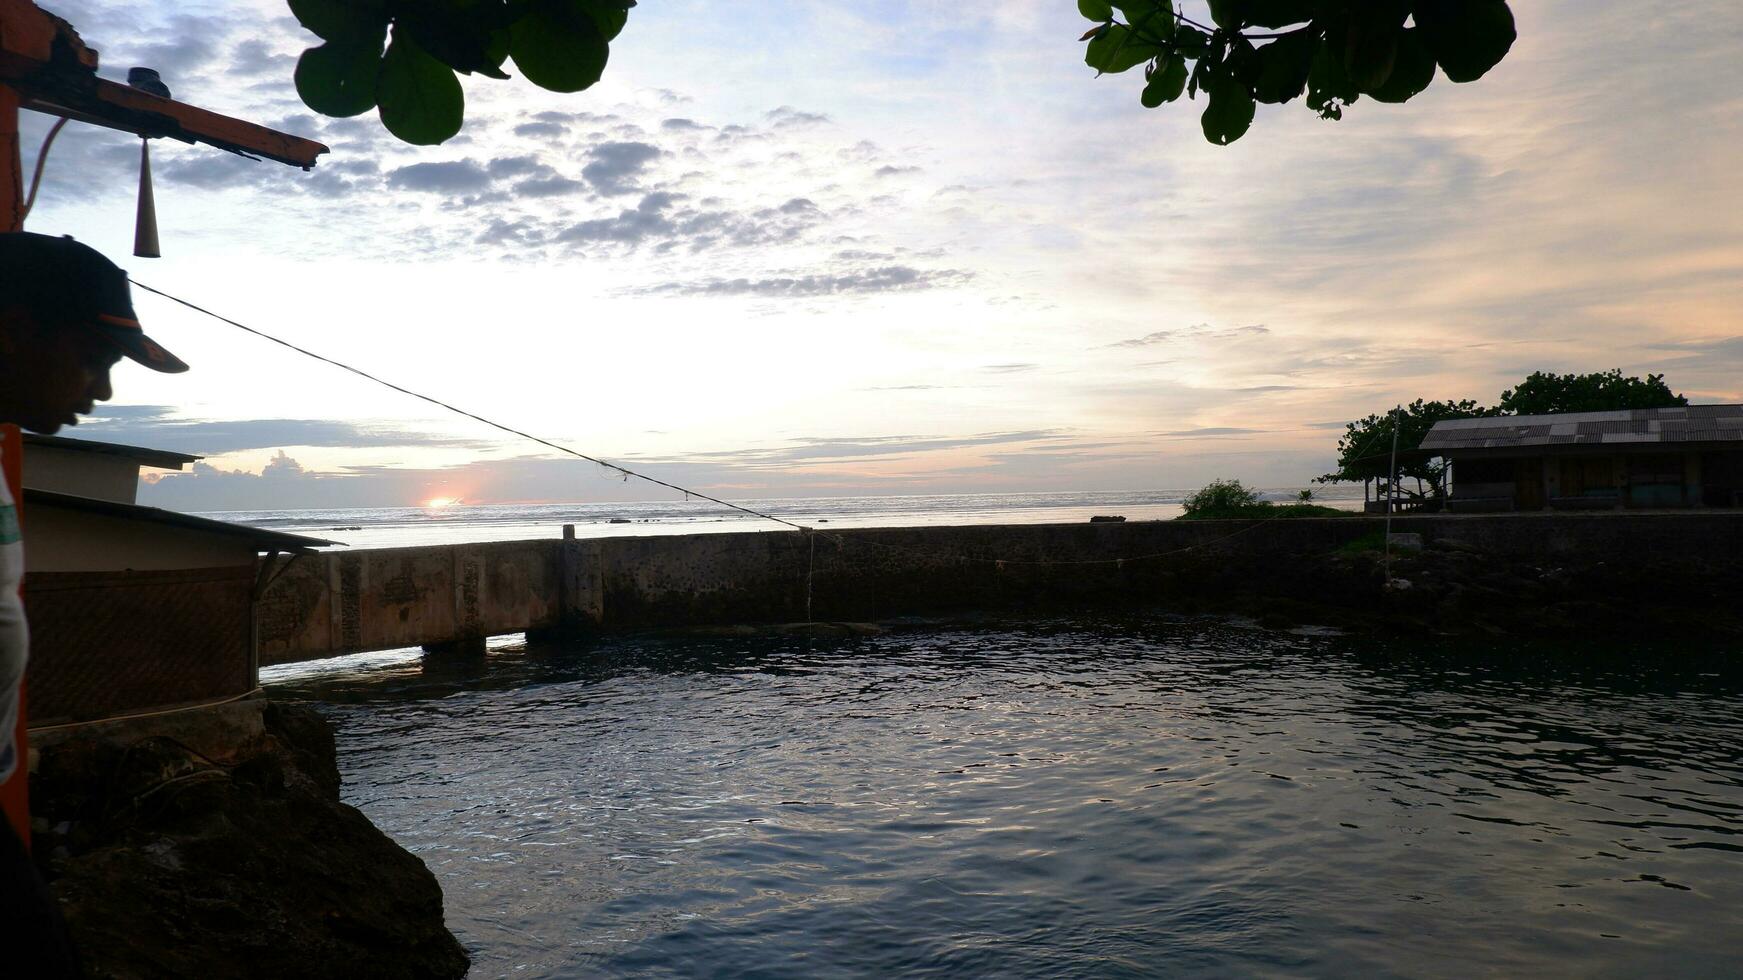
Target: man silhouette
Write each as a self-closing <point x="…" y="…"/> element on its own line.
<point x="66" y="318"/>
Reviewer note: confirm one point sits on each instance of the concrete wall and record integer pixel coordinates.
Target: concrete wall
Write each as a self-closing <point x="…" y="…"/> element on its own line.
<point x="345" y="602"/>
<point x="366" y="600"/>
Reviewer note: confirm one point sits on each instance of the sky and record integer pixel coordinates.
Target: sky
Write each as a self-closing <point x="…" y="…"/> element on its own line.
<point x="794" y="249"/>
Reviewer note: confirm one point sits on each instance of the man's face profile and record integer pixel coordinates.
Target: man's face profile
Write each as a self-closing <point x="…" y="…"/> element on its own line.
<point x="50" y="375"/>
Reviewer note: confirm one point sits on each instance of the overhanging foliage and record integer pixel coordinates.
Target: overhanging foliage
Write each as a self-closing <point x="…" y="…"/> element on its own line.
<point x="399" y="56"/>
<point x="1274" y="51"/>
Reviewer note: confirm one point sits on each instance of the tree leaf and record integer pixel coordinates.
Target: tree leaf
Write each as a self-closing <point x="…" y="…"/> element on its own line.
<point x="338" y="79"/>
<point x="1284" y="65"/>
<point x="1371" y="44"/>
<point x="1096" y="10"/>
<point x="1276" y="14"/>
<point x="1151" y="19"/>
<point x="459" y="36"/>
<point x="1467" y="37"/>
<point x="419" y="98"/>
<point x="1118" y="49"/>
<point x="1229" y="112"/>
<point x="1226" y="14"/>
<point x="1412" y="72"/>
<point x="1328" y="85"/>
<point x="1191" y="42"/>
<point x="609" y="16"/>
<point x="1166" y="84"/>
<point x="558" y="46"/>
<point x="353" y="21"/>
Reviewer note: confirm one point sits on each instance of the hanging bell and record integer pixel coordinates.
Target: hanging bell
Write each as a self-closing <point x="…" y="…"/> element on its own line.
<point x="145" y="222"/>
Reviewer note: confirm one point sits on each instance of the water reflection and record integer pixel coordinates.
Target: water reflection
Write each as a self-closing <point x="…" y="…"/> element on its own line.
<point x="1062" y="799"/>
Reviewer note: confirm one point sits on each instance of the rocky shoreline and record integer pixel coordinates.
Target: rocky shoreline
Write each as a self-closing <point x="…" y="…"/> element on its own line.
<point x="212" y="843"/>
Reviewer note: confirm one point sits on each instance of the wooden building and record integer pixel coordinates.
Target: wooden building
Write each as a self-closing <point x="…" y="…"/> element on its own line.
<point x="1636" y="458"/>
<point x="133" y="608"/>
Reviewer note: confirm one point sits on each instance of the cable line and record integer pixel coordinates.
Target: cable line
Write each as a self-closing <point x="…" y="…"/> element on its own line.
<point x="626" y="471"/>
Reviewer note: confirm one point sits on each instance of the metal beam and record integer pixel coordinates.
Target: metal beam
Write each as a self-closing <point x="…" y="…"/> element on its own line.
<point x="52" y="70"/>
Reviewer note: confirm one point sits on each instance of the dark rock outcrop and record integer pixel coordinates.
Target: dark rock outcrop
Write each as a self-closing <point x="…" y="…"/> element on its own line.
<point x="212" y="843"/>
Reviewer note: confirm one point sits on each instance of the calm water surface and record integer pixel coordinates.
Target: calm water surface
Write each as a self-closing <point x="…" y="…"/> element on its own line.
<point x="1061" y="799"/>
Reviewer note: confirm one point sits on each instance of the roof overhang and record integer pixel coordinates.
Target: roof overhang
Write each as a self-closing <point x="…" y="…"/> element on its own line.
<point x="264" y="540"/>
<point x="1682" y="428"/>
<point x="155" y="458"/>
<point x="1584" y="449"/>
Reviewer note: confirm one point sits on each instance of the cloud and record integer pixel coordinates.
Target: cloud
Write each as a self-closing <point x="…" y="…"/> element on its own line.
<point x="188" y="48"/>
<point x="631" y="226"/>
<point x="255" y="57"/>
<point x="669" y="222"/>
<point x="885" y="279"/>
<point x="1723" y="347"/>
<point x="152" y="426"/>
<point x="281" y="467"/>
<point x="548" y="187"/>
<point x="615" y="166"/>
<point x="107" y="412"/>
<point x="682" y="125"/>
<point x="787" y="116"/>
<point x="517" y="166"/>
<point x="1009" y="368"/>
<point x="811" y="450"/>
<point x="446" y="177"/>
<point x="540" y="129"/>
<point x="503" y="232"/>
<point x="1198" y="331"/>
<point x="890" y="170"/>
<point x="1210" y="431"/>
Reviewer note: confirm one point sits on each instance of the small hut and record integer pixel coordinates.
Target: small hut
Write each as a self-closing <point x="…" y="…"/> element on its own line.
<point x="1689" y="456"/>
<point x="132" y="608"/>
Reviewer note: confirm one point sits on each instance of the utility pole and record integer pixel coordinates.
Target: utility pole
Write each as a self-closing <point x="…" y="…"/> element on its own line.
<point x="1392" y="491"/>
<point x="46" y="67"/>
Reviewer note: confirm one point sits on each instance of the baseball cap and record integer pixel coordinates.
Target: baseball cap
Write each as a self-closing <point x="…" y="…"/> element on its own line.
<point x="60" y="280"/>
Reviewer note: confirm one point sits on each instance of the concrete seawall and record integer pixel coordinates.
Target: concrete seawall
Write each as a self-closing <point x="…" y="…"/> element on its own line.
<point x="345" y="602"/>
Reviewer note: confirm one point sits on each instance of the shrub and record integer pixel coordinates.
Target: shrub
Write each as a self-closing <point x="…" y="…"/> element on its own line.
<point x="1220" y="496"/>
<point x="1372" y="541"/>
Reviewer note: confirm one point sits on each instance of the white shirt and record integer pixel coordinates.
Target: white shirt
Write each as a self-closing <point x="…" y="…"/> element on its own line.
<point x="14" y="635"/>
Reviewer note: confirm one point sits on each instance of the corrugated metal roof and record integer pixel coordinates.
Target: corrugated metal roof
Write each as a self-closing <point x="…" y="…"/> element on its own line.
<point x="1692" y="423"/>
<point x="157" y="458"/>
<point x="263" y="539"/>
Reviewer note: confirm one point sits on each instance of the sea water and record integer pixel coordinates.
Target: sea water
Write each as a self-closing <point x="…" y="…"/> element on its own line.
<point x="386" y="527"/>
<point x="1132" y="797"/>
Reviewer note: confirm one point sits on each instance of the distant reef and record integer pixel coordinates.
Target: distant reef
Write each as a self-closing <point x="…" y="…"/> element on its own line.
<point x="212" y="843"/>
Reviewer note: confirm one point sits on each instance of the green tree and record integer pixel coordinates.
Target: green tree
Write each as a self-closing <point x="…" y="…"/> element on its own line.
<point x="1365" y="451"/>
<point x="1273" y="51"/>
<point x="1601" y="391"/>
<point x="1220" y="496"/>
<point x="399" y="57"/>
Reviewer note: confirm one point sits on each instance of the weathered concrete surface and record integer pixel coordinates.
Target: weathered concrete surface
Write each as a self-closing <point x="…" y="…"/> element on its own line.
<point x="406" y="597"/>
<point x="378" y="599"/>
<point x="212" y="843"/>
